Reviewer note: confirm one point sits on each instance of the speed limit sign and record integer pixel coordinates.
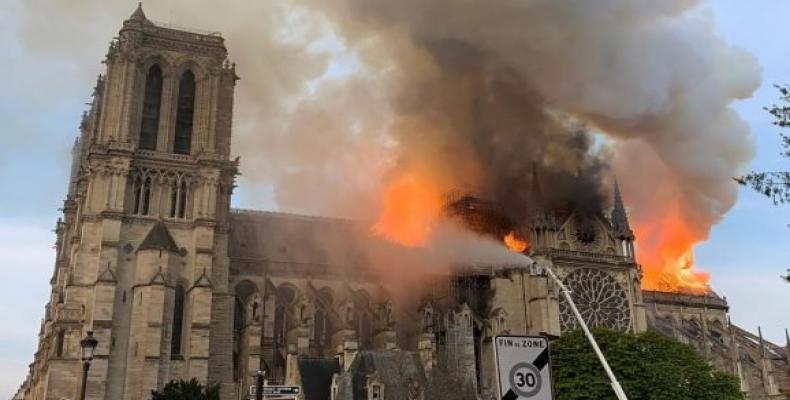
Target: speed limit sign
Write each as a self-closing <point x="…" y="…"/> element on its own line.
<point x="523" y="367"/>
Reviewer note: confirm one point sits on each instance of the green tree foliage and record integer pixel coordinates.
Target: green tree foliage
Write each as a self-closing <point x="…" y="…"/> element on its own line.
<point x="775" y="184"/>
<point x="649" y="366"/>
<point x="186" y="390"/>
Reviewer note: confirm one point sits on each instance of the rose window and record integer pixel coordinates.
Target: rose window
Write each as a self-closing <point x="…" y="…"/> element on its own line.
<point x="601" y="301"/>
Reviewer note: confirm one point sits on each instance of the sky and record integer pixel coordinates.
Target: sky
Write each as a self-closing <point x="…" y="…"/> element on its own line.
<point x="42" y="95"/>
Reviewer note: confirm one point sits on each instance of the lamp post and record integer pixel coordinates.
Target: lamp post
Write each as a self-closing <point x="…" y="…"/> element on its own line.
<point x="88" y="344"/>
<point x="259" y="385"/>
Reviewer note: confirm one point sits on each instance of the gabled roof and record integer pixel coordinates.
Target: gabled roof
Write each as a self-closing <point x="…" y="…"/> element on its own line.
<point x="159" y="238"/>
<point x="202" y="280"/>
<point x="158" y="279"/>
<point x="397" y="370"/>
<point x="107" y="276"/>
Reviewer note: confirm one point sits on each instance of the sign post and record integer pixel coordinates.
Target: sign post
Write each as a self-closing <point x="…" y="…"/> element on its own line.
<point x="523" y="367"/>
<point x="280" y="391"/>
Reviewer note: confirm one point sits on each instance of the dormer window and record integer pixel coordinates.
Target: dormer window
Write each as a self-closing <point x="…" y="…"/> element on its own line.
<point x="375" y="388"/>
<point x="375" y="392"/>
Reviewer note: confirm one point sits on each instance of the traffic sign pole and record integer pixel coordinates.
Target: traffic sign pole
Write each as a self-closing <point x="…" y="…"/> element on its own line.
<point x="618" y="390"/>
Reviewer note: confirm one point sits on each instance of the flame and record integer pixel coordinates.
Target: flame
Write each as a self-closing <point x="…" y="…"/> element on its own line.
<point x="515" y="244"/>
<point x="410" y="207"/>
<point x="665" y="250"/>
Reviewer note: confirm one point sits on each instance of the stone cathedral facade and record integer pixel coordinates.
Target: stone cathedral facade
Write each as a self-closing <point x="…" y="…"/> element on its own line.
<point x="175" y="284"/>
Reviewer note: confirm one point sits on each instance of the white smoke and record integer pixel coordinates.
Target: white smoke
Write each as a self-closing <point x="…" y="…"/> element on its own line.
<point x="653" y="75"/>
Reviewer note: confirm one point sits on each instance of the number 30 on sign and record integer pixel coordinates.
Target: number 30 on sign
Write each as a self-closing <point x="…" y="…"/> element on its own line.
<point x="523" y="367"/>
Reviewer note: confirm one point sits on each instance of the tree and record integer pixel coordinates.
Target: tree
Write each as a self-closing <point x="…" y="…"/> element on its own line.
<point x="649" y="366"/>
<point x="775" y="184"/>
<point x="186" y="390"/>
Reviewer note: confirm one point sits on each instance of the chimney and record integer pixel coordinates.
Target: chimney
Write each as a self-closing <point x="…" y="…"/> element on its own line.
<point x="386" y="339"/>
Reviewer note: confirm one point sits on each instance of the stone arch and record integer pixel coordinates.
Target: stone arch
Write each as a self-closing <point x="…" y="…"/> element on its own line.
<point x="149" y="58"/>
<point x="285" y="296"/>
<point x="187" y="62"/>
<point x="325" y="294"/>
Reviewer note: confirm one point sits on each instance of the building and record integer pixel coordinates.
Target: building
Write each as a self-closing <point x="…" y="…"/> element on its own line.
<point x="175" y="284"/>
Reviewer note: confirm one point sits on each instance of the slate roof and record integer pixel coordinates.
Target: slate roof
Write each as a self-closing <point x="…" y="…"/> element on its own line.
<point x="317" y="376"/>
<point x="396" y="369"/>
<point x="159" y="238"/>
<point x="311" y="243"/>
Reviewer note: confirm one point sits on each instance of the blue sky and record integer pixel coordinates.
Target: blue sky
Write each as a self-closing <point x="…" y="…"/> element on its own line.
<point x="42" y="96"/>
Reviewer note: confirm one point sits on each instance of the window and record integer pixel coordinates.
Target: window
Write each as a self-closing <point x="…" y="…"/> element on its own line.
<point x="178" y="199"/>
<point x="142" y="196"/>
<point x="60" y="342"/>
<point x="149" y="125"/>
<point x="185" y="113"/>
<point x="178" y="321"/>
<point x="375" y="391"/>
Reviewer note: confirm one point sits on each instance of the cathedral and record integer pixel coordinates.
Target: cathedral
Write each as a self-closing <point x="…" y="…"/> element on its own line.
<point x="175" y="284"/>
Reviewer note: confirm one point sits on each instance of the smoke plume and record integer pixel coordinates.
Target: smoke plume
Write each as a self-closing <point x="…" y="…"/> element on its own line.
<point x="339" y="97"/>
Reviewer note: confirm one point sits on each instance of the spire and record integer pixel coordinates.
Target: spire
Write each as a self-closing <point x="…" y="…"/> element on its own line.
<point x="138" y="14"/>
<point x="787" y="348"/>
<point x="541" y="216"/>
<point x="762" y="343"/>
<point x="619" y="216"/>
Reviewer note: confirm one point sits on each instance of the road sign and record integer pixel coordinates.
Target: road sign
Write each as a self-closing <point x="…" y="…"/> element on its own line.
<point x="523" y="367"/>
<point x="277" y="390"/>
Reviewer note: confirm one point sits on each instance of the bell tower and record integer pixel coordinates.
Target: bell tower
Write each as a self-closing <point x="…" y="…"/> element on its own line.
<point x="142" y="247"/>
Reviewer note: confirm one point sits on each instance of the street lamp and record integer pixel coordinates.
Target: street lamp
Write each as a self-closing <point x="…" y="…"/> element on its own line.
<point x="259" y="385"/>
<point x="88" y="345"/>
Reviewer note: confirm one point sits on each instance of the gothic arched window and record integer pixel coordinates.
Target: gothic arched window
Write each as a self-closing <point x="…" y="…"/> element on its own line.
<point x="152" y="99"/>
<point x="178" y="321"/>
<point x="185" y="113"/>
<point x="142" y="196"/>
<point x="282" y="318"/>
<point x="178" y="199"/>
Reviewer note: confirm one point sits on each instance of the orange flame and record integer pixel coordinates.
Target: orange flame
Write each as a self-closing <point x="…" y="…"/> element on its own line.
<point x="665" y="250"/>
<point x="515" y="244"/>
<point x="411" y="206"/>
